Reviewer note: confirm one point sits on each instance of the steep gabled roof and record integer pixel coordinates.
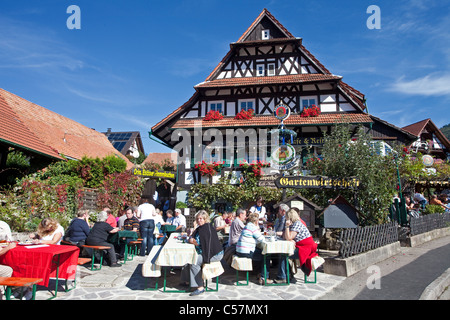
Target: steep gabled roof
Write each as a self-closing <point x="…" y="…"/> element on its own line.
<point x="162" y="128"/>
<point x="418" y="128"/>
<point x="263" y="14"/>
<point x="51" y="133"/>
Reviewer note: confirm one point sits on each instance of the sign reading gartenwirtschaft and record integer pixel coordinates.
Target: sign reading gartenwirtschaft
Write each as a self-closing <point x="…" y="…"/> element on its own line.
<point x="153" y="174"/>
<point x="316" y="182"/>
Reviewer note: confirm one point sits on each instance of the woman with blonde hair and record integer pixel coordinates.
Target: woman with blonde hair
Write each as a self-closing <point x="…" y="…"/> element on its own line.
<point x="209" y="249"/>
<point x="305" y="247"/>
<point x="49" y="231"/>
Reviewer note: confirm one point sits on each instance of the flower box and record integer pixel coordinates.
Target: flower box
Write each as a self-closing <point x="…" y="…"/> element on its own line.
<point x="245" y="115"/>
<point x="312" y="111"/>
<point x="213" y="115"/>
<point x="209" y="169"/>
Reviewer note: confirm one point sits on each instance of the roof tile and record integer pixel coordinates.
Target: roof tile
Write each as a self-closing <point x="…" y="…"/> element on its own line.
<point x="246" y="81"/>
<point x="270" y="121"/>
<point x="50" y="133"/>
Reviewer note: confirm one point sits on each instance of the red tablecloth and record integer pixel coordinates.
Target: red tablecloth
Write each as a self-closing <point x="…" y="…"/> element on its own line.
<point x="30" y="262"/>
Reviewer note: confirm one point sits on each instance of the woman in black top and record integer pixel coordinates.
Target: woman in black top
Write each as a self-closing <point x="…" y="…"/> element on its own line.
<point x="99" y="237"/>
<point x="209" y="249"/>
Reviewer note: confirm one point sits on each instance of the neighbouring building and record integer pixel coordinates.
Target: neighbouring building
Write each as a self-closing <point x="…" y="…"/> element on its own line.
<point x="128" y="143"/>
<point x="429" y="139"/>
<point x="45" y="136"/>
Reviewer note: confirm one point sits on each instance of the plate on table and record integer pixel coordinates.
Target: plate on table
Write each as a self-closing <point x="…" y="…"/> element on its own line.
<point x="26" y="243"/>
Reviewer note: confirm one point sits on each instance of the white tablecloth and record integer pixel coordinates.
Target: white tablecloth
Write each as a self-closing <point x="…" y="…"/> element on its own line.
<point x="278" y="246"/>
<point x="175" y="253"/>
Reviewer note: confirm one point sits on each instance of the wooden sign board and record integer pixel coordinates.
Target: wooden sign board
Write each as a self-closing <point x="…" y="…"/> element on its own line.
<point x="154" y="174"/>
<point x="316" y="182"/>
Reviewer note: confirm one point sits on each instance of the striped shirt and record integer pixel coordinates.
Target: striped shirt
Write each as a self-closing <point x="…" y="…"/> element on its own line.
<point x="250" y="236"/>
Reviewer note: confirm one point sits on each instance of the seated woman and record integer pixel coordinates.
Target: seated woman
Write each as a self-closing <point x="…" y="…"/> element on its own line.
<point x="99" y="237"/>
<point x="49" y="231"/>
<point x="246" y="245"/>
<point x="209" y="249"/>
<point x="78" y="229"/>
<point x="305" y="246"/>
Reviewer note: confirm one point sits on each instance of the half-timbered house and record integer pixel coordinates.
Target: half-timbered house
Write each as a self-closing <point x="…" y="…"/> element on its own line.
<point x="266" y="67"/>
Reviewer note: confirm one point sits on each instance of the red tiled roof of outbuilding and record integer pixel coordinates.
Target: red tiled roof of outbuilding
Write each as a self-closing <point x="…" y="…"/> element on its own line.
<point x="43" y="130"/>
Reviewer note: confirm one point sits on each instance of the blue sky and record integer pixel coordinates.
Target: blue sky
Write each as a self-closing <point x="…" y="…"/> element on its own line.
<point x="134" y="62"/>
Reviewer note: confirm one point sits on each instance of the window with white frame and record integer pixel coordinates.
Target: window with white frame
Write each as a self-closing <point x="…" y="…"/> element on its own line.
<point x="307" y="102"/>
<point x="260" y="70"/>
<point x="265" y="34"/>
<point x="271" y="69"/>
<point x="216" y="106"/>
<point x="246" y="105"/>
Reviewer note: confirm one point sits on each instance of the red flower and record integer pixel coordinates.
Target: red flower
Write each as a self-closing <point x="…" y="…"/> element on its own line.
<point x="213" y="115"/>
<point x="208" y="169"/>
<point x="246" y="115"/>
<point x="312" y="111"/>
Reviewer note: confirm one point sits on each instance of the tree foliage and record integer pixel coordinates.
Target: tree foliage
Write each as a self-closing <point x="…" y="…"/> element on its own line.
<point x="57" y="191"/>
<point x="344" y="157"/>
<point x="203" y="196"/>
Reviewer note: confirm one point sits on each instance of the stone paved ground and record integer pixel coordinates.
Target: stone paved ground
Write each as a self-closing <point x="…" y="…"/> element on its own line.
<point x="127" y="283"/>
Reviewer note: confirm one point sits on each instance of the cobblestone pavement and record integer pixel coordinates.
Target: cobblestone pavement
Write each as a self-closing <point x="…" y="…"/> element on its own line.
<point x="127" y="283"/>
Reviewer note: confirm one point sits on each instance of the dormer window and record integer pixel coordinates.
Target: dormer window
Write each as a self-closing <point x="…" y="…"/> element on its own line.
<point x="307" y="102"/>
<point x="246" y="104"/>
<point x="271" y="69"/>
<point x="265" y="34"/>
<point x="216" y="106"/>
<point x="260" y="70"/>
<point x="264" y="70"/>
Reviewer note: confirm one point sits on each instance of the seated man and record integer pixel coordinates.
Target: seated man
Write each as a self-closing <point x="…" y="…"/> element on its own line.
<point x="131" y="223"/>
<point x="236" y="228"/>
<point x="179" y="221"/>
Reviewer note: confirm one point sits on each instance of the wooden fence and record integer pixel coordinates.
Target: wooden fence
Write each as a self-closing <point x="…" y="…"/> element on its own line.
<point x="89" y="199"/>
<point x="429" y="222"/>
<point x="362" y="239"/>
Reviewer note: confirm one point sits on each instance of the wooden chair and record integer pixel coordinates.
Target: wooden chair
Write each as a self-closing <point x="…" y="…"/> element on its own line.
<point x="19" y="282"/>
<point x="94" y="249"/>
<point x="151" y="270"/>
<point x="132" y="250"/>
<point x="212" y="270"/>
<point x="241" y="264"/>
